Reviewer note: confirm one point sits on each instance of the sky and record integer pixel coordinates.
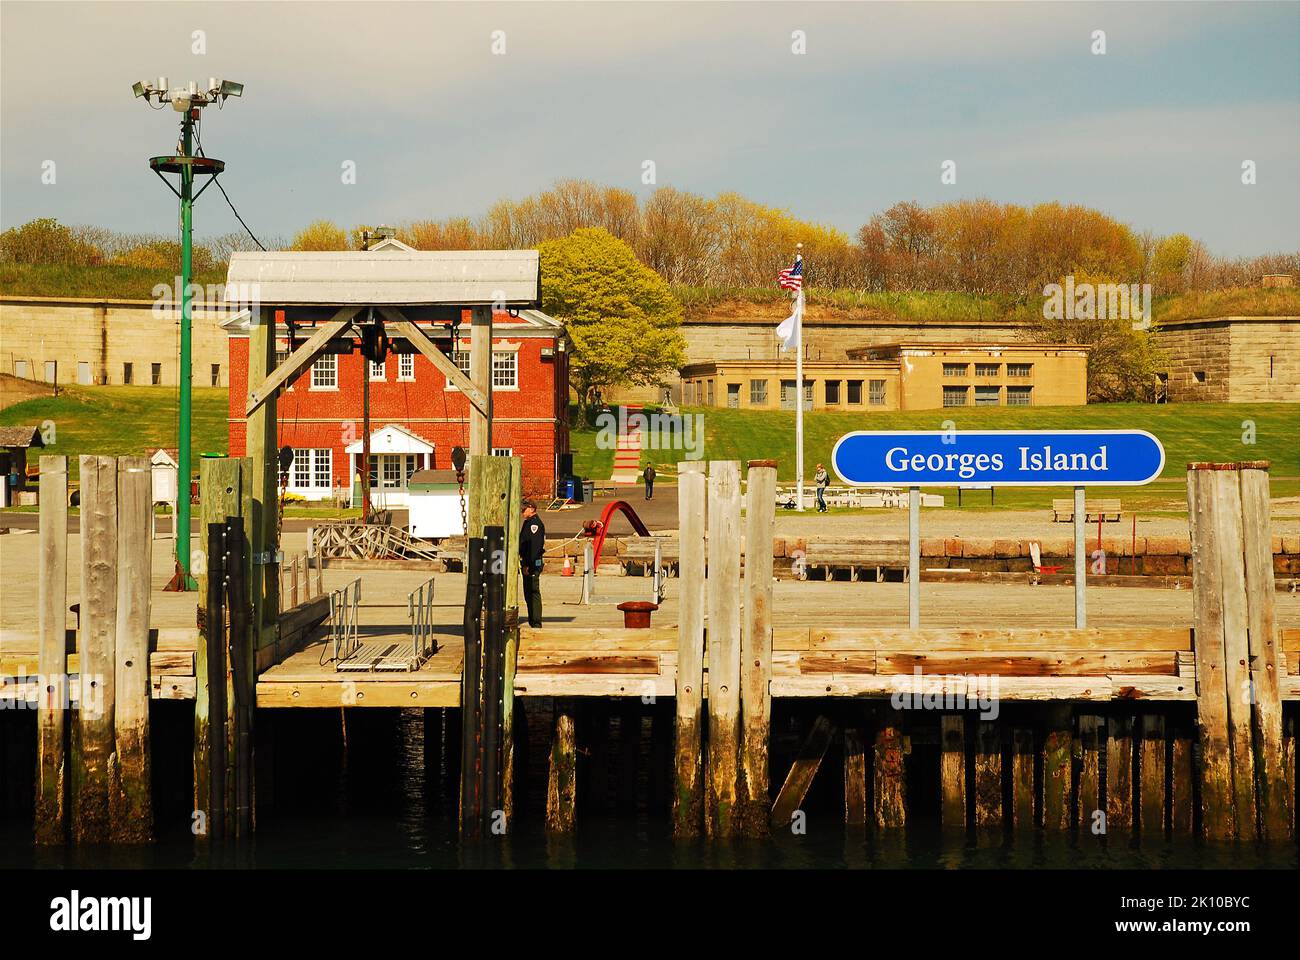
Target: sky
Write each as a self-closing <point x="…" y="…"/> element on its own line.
<point x="437" y="123"/>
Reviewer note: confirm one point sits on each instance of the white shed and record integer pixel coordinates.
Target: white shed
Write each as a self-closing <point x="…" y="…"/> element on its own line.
<point x="435" y="504"/>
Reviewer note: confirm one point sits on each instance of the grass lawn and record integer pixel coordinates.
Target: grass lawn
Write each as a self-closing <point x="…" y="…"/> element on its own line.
<point x="121" y="421"/>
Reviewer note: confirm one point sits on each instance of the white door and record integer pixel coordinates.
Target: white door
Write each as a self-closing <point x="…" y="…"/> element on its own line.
<point x="83" y="373"/>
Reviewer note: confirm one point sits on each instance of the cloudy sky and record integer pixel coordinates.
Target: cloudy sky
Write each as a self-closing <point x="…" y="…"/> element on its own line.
<point x="1154" y="131"/>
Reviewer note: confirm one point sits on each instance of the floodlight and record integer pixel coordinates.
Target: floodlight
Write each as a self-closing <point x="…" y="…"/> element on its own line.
<point x="141" y="89"/>
<point x="231" y="89"/>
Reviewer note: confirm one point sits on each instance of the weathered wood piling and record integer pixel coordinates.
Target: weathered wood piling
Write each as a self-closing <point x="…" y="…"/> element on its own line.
<point x="688" y="792"/>
<point x="756" y="650"/>
<point x="52" y="605"/>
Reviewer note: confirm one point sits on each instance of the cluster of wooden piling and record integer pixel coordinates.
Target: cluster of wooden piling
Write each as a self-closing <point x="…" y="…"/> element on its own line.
<point x="102" y="785"/>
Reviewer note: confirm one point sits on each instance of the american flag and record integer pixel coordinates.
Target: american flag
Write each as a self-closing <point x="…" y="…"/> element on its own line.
<point x="792" y="277"/>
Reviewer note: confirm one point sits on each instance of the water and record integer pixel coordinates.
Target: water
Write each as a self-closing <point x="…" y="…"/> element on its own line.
<point x="382" y="793"/>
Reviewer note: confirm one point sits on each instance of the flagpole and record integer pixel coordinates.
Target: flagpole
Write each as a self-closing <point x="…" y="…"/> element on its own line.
<point x="798" y="386"/>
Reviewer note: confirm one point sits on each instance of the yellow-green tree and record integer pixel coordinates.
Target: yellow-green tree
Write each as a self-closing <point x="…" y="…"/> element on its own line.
<point x="321" y="235"/>
<point x="621" y="318"/>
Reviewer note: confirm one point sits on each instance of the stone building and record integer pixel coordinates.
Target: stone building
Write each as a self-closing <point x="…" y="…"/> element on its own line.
<point x="1234" y="359"/>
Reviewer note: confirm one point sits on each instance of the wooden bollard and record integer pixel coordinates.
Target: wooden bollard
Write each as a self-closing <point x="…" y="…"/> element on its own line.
<point x="688" y="797"/>
<point x="1275" y="801"/>
<point x="723" y="604"/>
<point x="952" y="771"/>
<point x="562" y="780"/>
<point x="1151" y="784"/>
<point x="131" y="803"/>
<point x="756" y="649"/>
<point x="1119" y="773"/>
<point x="1057" y="766"/>
<point x="52" y="604"/>
<point x="93" y="733"/>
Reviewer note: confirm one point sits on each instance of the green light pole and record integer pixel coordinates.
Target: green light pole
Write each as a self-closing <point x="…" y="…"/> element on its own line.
<point x="189" y="103"/>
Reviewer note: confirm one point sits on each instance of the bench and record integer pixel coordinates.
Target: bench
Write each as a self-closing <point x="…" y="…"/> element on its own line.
<point x="840" y="555"/>
<point x="1105" y="509"/>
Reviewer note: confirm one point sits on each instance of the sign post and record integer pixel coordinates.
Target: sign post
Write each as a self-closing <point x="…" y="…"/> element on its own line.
<point x="1024" y="458"/>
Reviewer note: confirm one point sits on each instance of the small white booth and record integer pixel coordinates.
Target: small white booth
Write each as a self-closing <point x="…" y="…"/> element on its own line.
<point x="435" y="504"/>
<point x="165" y="470"/>
<point x="396" y="454"/>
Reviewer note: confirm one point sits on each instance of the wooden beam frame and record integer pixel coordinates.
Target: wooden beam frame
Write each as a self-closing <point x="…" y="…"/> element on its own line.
<point x="300" y="358"/>
<point x="420" y="340"/>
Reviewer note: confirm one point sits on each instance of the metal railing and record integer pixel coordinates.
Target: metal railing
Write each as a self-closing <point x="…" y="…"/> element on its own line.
<point x="591" y="595"/>
<point x="419" y="605"/>
<point x="345" y="605"/>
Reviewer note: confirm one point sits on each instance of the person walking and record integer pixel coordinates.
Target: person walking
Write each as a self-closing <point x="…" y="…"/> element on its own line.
<point x="532" y="544"/>
<point x="823" y="480"/>
<point x="649" y="476"/>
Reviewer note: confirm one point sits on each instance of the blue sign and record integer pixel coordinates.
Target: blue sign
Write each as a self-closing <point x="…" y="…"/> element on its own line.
<point x="1003" y="458"/>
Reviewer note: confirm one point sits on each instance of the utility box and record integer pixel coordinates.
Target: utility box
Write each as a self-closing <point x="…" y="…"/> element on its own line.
<point x="164" y="467"/>
<point x="435" y="504"/>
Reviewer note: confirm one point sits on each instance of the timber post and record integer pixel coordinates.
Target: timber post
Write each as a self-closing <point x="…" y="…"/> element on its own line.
<point x="723" y="550"/>
<point x="688" y="802"/>
<point x="52" y="703"/>
<point x="756" y="648"/>
<point x="562" y="777"/>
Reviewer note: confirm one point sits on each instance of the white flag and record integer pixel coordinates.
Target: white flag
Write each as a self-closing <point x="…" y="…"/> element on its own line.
<point x="788" y="331"/>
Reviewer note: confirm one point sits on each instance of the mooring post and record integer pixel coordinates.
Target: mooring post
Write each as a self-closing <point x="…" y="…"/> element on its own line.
<point x="494" y="668"/>
<point x="1275" y="801"/>
<point x="688" y="804"/>
<point x="239" y="730"/>
<point x="131" y="804"/>
<point x="1214" y="694"/>
<point x="1080" y="561"/>
<point x="952" y="771"/>
<point x="93" y="733"/>
<point x="756" y="647"/>
<point x="471" y="692"/>
<point x="52" y="658"/>
<point x="914" y="557"/>
<point x="512" y="521"/>
<point x="724" y="647"/>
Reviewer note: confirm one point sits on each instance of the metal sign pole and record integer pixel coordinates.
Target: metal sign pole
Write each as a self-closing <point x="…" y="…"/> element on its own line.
<point x="914" y="557"/>
<point x="1080" y="562"/>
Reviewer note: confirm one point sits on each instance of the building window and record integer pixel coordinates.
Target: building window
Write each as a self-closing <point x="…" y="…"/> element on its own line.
<point x="955" y="369"/>
<point x="505" y="369"/>
<point x="877" y="393"/>
<point x="709" y="388"/>
<point x="1199" y="375"/>
<point x="855" y="392"/>
<point x="312" y="469"/>
<point x="20" y="368"/>
<point x="1020" y="371"/>
<point x="216" y="375"/>
<point x="954" y="396"/>
<point x="503" y="451"/>
<point x="758" y="393"/>
<point x="392" y="470"/>
<point x="461" y="359"/>
<point x="378" y="371"/>
<point x="807" y="394"/>
<point x="733" y="395"/>
<point x="155" y="374"/>
<point x="832" y="392"/>
<point x="325" y="373"/>
<point x="406" y="366"/>
<point x="987" y="369"/>
<point x="987" y="396"/>
<point x="281" y="356"/>
<point x="1019" y="396"/>
<point x="128" y="373"/>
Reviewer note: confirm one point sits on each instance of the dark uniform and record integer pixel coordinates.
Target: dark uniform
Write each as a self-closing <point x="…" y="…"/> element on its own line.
<point x="532" y="543"/>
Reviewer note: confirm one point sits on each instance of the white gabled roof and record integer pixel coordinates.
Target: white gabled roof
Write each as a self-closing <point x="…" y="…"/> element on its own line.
<point x="392" y="439"/>
<point x="386" y="276"/>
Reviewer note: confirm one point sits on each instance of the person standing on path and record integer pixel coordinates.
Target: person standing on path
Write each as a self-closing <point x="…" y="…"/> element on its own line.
<point x="532" y="544"/>
<point x="649" y="476"/>
<point x="823" y="480"/>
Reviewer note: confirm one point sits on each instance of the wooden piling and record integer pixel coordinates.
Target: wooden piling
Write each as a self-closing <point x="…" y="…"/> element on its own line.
<point x="130" y="803"/>
<point x="1057" y="768"/>
<point x="756" y="648"/>
<point x="988" y="774"/>
<point x="1022" y="779"/>
<point x="629" y="752"/>
<point x="562" y="780"/>
<point x="1151" y="784"/>
<point x="723" y="648"/>
<point x="806" y="764"/>
<point x="952" y="771"/>
<point x="1289" y="766"/>
<point x="52" y="606"/>
<point x="93" y="732"/>
<point x="1181" y="783"/>
<point x="1119" y="773"/>
<point x="688" y="800"/>
<point x="888" y="771"/>
<point x="1274" y="801"/>
<point x="855" y="780"/>
<point x="1088" y="761"/>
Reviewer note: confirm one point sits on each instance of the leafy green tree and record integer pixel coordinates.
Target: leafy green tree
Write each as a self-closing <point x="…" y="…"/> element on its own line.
<point x="621" y="318"/>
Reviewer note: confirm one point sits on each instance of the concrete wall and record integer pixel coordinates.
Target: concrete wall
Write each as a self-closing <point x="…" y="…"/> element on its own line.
<point x="105" y="335"/>
<point x="1238" y="359"/>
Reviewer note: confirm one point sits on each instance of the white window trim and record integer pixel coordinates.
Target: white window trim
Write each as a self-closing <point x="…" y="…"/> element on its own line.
<point x="383" y="371"/>
<point x="499" y="348"/>
<point x="407" y="378"/>
<point x="311" y="376"/>
<point x="503" y="451"/>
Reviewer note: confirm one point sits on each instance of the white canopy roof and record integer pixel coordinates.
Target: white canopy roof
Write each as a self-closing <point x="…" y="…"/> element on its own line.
<point x="392" y="439"/>
<point x="386" y="276"/>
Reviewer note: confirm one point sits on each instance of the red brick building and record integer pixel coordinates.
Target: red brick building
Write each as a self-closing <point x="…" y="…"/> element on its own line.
<point x="416" y="418"/>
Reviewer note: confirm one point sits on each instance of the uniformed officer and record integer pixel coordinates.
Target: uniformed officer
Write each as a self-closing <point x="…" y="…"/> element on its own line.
<point x="532" y="543"/>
